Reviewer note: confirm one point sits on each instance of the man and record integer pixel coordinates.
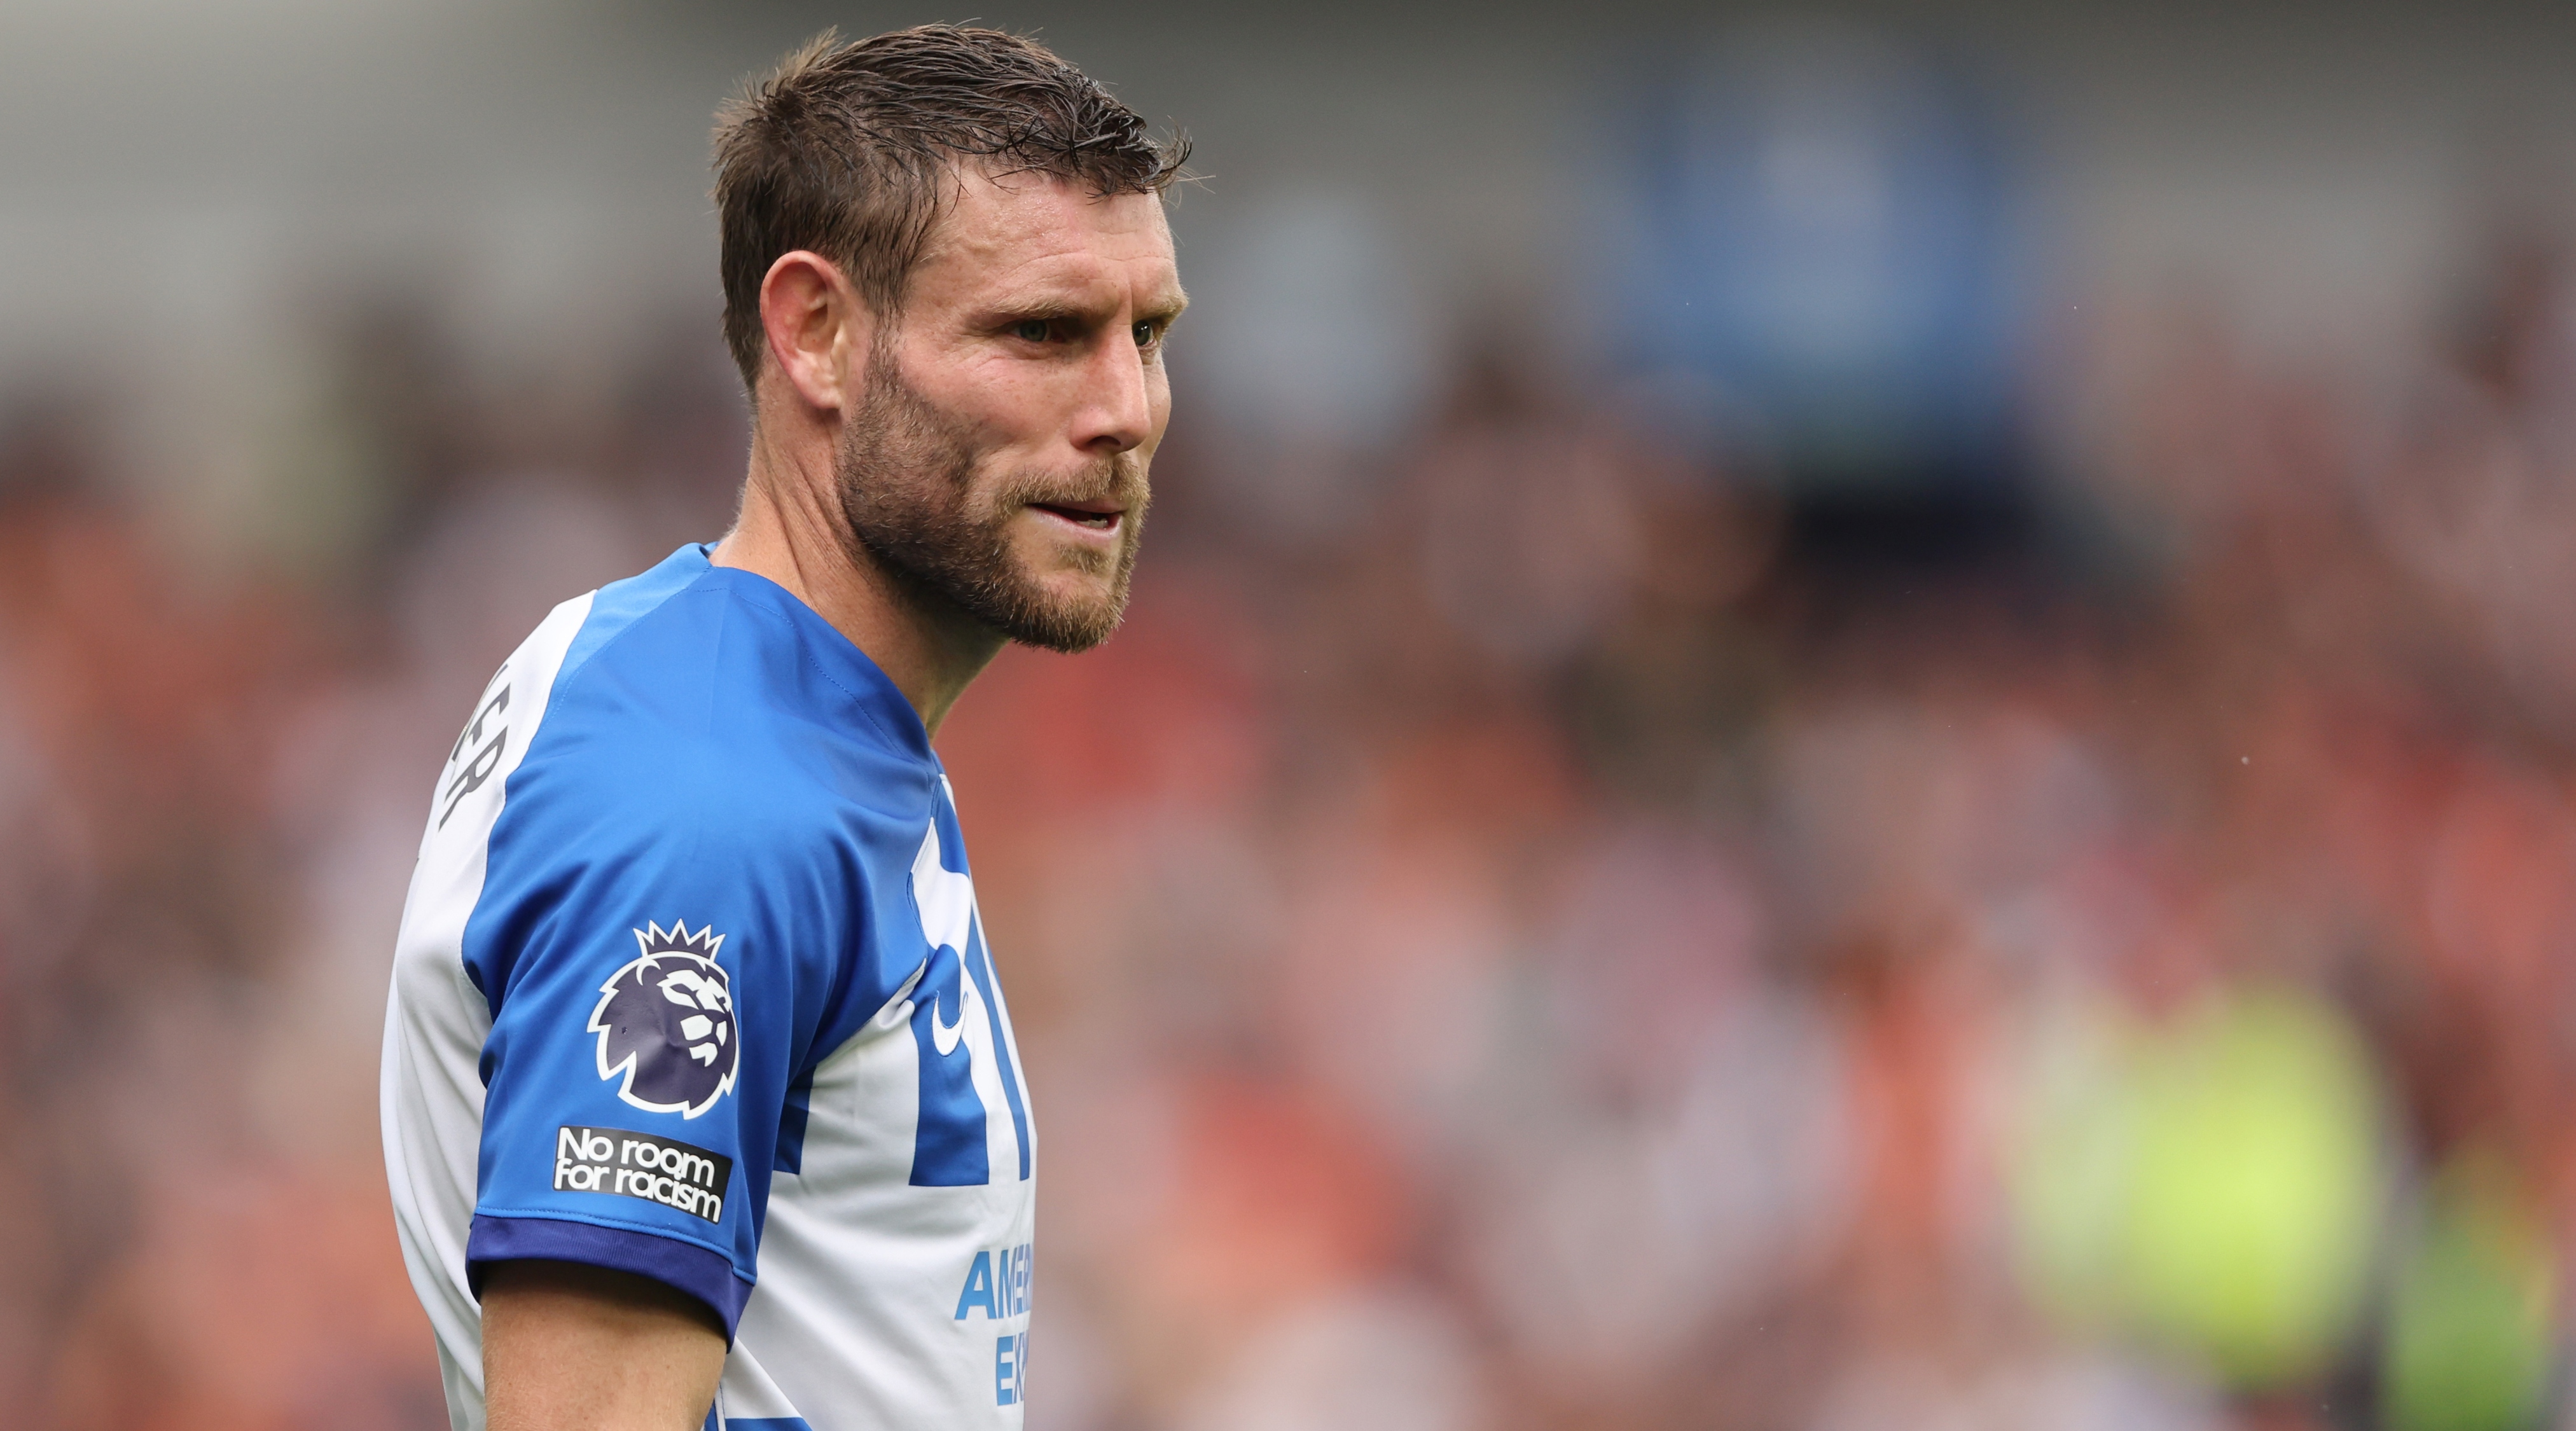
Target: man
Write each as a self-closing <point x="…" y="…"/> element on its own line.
<point x="701" y="1101"/>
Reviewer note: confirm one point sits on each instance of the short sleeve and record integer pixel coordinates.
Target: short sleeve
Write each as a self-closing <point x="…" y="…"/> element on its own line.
<point x="656" y="982"/>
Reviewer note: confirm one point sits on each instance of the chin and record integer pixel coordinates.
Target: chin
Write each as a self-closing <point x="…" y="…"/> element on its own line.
<point x="1087" y="596"/>
<point x="1067" y="612"/>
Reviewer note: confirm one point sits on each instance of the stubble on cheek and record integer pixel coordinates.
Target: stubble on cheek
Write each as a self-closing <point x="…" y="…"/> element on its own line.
<point x="912" y="507"/>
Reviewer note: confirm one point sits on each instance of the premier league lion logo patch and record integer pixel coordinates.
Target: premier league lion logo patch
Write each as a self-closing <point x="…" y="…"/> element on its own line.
<point x="665" y="1023"/>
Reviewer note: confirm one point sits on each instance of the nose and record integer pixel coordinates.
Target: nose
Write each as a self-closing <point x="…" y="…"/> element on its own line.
<point x="1117" y="412"/>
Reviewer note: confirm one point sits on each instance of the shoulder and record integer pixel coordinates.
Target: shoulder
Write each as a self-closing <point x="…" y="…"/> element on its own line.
<point x="699" y="707"/>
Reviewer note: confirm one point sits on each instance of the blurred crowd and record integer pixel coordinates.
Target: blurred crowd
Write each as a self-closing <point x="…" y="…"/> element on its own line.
<point x="1561" y="933"/>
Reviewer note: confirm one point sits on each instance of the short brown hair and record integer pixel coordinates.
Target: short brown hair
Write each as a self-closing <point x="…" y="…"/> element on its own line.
<point x="844" y="148"/>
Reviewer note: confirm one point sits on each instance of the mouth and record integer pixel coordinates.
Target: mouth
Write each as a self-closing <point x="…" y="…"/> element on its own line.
<point x="1102" y="516"/>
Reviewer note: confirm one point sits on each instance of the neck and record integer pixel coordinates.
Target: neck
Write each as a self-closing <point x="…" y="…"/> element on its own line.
<point x="793" y="532"/>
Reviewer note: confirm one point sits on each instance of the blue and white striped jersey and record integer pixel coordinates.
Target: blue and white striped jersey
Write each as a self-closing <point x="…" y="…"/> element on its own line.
<point x="690" y="983"/>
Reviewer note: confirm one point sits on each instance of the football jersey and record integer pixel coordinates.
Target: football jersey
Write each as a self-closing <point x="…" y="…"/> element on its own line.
<point x="690" y="983"/>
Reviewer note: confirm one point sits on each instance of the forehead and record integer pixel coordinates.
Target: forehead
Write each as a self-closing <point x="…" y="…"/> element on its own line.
<point x="1035" y="237"/>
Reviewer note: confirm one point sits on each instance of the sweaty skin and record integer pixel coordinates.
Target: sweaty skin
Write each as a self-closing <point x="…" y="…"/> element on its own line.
<point x="1035" y="323"/>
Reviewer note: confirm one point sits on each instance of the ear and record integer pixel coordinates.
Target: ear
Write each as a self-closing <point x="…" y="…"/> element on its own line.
<point x="818" y="328"/>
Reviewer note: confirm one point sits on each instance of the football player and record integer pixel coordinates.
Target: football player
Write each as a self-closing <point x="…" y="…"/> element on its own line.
<point x="701" y="1102"/>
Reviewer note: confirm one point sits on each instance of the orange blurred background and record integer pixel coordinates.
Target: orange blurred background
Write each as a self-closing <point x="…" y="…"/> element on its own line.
<point x="1833" y="725"/>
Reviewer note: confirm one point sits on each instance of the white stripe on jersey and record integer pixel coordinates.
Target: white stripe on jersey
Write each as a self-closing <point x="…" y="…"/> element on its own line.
<point x="436" y="1020"/>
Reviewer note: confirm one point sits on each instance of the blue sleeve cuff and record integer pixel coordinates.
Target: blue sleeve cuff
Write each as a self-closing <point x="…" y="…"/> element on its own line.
<point x="707" y="1276"/>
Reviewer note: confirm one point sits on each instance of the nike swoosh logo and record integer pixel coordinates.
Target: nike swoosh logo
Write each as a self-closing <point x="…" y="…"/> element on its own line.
<point x="947" y="1036"/>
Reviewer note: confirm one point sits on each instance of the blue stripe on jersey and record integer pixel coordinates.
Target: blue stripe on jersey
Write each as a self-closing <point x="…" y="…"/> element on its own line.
<point x="948" y="1149"/>
<point x="799" y="1111"/>
<point x="981" y="967"/>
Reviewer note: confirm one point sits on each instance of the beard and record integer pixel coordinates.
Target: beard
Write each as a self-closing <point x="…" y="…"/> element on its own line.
<point x="906" y="474"/>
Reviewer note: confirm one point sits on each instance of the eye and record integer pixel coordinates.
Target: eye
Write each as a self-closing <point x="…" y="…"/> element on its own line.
<point x="1145" y="335"/>
<point x="1032" y="330"/>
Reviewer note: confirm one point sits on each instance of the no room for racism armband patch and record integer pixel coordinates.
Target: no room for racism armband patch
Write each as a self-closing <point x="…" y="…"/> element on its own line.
<point x="656" y="1169"/>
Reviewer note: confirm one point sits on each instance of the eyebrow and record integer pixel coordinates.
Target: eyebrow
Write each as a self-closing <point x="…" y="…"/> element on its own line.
<point x="1163" y="308"/>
